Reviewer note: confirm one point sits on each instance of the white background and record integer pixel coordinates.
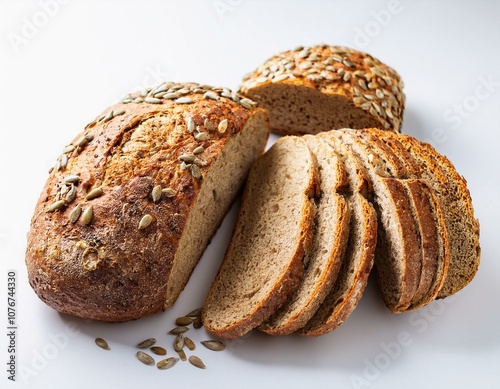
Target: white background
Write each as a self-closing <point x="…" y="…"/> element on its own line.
<point x="62" y="63"/>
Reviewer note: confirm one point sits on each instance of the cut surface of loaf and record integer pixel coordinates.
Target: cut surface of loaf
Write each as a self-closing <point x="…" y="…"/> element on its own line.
<point x="263" y="262"/>
<point x="134" y="200"/>
<point x="398" y="256"/>
<point x="329" y="243"/>
<point x="358" y="259"/>
<point x="319" y="88"/>
<point x="461" y="224"/>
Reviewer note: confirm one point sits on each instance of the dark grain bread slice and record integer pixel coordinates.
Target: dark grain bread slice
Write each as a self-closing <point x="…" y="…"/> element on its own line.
<point x="427" y="211"/>
<point x="398" y="257"/>
<point x="134" y="200"/>
<point x="329" y="243"/>
<point x="462" y="226"/>
<point x="358" y="258"/>
<point x="263" y="263"/>
<point x="319" y="88"/>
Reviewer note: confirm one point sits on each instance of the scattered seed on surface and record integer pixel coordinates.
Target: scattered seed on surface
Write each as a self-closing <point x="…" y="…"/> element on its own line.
<point x="167" y="363"/>
<point x="197" y="362"/>
<point x="197" y="323"/>
<point x="102" y="343"/>
<point x="158" y="350"/>
<point x="145" y="358"/>
<point x="56" y="205"/>
<point x="184" y="166"/>
<point x="213" y="345"/>
<point x="87" y="215"/>
<point x="147" y="343"/>
<point x="169" y="192"/>
<point x="183" y="321"/>
<point x="178" y="330"/>
<point x="75" y="214"/>
<point x="179" y="342"/>
<point x="189" y="343"/>
<point x="156" y="193"/>
<point x="195" y="312"/>
<point x="182" y="355"/>
<point x="145" y="221"/>
<point x="94" y="193"/>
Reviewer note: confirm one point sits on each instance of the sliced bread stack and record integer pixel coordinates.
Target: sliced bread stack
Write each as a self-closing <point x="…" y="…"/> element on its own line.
<point x="385" y="199"/>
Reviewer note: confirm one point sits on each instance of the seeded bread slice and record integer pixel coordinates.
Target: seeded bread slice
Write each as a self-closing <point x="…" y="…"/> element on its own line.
<point x="398" y="257"/>
<point x="319" y="88"/>
<point x="263" y="263"/>
<point x="359" y="256"/>
<point x="329" y="243"/>
<point x="462" y="226"/>
<point x="427" y="211"/>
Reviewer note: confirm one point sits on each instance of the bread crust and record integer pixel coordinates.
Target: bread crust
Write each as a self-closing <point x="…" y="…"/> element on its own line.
<point x="110" y="269"/>
<point x="364" y="86"/>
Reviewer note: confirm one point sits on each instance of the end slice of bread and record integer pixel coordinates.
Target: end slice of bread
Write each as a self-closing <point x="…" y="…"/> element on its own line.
<point x="264" y="260"/>
<point x="329" y="243"/>
<point x="451" y="190"/>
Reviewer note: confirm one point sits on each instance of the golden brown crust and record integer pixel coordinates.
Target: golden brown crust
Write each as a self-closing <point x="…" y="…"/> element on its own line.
<point x="114" y="264"/>
<point x="372" y="87"/>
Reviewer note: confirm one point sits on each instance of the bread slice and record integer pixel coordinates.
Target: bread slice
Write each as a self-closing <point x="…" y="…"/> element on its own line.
<point x="319" y="88"/>
<point x="359" y="255"/>
<point x="398" y="257"/>
<point x="427" y="211"/>
<point x="329" y="243"/>
<point x="263" y="263"/>
<point x="462" y="226"/>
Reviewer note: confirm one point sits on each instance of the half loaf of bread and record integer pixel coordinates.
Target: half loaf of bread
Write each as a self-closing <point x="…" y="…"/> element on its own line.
<point x="133" y="200"/>
<point x="320" y="88"/>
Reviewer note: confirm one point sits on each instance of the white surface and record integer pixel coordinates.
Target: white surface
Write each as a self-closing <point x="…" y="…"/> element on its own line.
<point x="81" y="57"/>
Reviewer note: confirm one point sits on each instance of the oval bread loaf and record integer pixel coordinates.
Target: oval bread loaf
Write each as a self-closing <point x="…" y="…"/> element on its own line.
<point x="320" y="88"/>
<point x="134" y="200"/>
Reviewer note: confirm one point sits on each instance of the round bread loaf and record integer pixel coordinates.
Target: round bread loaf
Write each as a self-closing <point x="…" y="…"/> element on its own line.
<point x="134" y="200"/>
<point x="320" y="88"/>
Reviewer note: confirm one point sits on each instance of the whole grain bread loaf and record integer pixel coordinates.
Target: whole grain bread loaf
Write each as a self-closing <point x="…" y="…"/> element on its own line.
<point x="133" y="200"/>
<point x="320" y="88"/>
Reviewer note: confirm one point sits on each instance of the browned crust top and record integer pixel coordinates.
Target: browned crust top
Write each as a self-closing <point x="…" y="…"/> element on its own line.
<point x="370" y="84"/>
